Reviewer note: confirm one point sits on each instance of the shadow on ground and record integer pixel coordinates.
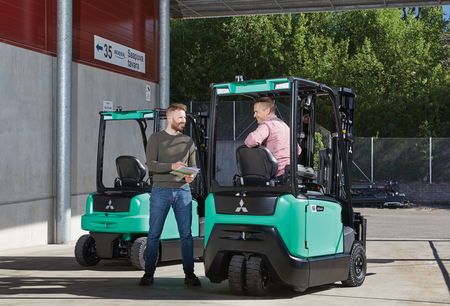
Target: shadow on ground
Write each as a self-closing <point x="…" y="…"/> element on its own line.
<point x="108" y="284"/>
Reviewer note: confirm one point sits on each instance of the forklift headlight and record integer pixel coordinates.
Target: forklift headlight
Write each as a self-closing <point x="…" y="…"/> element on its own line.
<point x="223" y="91"/>
<point x="284" y="85"/>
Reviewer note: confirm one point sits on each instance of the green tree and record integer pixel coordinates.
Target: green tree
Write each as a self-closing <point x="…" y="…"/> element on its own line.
<point x="196" y="57"/>
<point x="398" y="67"/>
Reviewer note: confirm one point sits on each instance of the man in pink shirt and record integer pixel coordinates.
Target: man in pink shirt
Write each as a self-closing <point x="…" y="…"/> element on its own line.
<point x="272" y="133"/>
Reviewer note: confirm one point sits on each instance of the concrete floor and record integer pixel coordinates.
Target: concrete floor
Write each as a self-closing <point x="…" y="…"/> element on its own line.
<point x="408" y="253"/>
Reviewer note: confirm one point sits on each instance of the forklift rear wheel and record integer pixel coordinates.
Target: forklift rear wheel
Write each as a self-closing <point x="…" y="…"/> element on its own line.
<point x="85" y="251"/>
<point x="258" y="278"/>
<point x="138" y="253"/>
<point x="236" y="275"/>
<point x="358" y="267"/>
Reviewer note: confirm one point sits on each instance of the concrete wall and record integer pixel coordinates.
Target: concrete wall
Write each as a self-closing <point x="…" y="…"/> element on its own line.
<point x="27" y="139"/>
<point x="423" y="193"/>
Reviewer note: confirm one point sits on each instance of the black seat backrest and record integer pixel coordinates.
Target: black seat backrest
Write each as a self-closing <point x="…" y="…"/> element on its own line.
<point x="131" y="172"/>
<point x="256" y="164"/>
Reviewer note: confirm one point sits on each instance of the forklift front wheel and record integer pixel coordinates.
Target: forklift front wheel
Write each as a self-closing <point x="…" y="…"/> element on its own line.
<point x="358" y="267"/>
<point x="138" y="253"/>
<point x="258" y="278"/>
<point x="85" y="251"/>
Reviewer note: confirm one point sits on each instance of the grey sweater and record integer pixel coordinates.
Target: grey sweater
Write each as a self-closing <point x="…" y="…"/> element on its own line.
<point x="163" y="150"/>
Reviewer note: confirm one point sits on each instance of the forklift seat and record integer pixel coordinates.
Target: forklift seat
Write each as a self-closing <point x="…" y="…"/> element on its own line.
<point x="131" y="172"/>
<point x="256" y="166"/>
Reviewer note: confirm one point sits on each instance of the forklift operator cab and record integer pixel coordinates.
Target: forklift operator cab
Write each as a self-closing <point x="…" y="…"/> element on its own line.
<point x="300" y="229"/>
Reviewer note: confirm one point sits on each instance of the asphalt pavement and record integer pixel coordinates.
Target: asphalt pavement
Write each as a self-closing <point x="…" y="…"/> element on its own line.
<point x="408" y="253"/>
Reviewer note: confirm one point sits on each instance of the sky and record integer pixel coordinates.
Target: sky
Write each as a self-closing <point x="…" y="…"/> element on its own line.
<point x="446" y="10"/>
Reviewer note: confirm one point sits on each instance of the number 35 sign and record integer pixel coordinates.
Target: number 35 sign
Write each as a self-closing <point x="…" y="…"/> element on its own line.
<point x="117" y="54"/>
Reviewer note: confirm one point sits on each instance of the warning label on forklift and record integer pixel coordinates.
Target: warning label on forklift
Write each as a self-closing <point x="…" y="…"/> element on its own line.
<point x="117" y="54"/>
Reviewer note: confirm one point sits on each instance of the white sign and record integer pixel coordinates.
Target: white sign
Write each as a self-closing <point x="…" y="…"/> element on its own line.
<point x="117" y="54"/>
<point x="148" y="93"/>
<point x="108" y="106"/>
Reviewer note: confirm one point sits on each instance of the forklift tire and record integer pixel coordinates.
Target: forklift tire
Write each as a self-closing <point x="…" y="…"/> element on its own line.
<point x="258" y="278"/>
<point x="85" y="251"/>
<point x="138" y="253"/>
<point x="358" y="267"/>
<point x="236" y="275"/>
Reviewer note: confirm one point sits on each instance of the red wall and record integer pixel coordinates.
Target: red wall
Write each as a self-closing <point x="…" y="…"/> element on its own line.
<point x="32" y="24"/>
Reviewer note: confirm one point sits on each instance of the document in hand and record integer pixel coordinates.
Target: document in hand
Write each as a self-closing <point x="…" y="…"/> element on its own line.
<point x="185" y="171"/>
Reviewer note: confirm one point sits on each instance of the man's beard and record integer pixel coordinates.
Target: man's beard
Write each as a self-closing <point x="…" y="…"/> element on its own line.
<point x="179" y="127"/>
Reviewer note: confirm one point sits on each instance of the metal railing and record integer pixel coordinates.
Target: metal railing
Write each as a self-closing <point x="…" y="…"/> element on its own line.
<point x="401" y="159"/>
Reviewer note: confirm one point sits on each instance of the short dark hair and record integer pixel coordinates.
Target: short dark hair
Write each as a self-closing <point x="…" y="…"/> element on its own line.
<point x="268" y="103"/>
<point x="176" y="106"/>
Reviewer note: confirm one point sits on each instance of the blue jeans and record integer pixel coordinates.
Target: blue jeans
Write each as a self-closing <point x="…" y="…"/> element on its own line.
<point x="160" y="201"/>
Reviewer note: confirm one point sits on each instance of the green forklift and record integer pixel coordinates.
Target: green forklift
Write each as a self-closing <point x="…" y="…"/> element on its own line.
<point x="117" y="214"/>
<point x="298" y="230"/>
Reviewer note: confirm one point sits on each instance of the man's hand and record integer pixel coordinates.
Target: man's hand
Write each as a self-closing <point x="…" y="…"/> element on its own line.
<point x="178" y="164"/>
<point x="189" y="178"/>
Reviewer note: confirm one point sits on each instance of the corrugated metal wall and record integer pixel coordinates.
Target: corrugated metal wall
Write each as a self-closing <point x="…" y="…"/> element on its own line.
<point x="32" y="24"/>
<point x="24" y="22"/>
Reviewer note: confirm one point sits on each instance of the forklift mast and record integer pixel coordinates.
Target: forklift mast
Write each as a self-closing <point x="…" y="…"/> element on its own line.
<point x="330" y="173"/>
<point x="307" y="130"/>
<point x="346" y="99"/>
<point x="346" y="107"/>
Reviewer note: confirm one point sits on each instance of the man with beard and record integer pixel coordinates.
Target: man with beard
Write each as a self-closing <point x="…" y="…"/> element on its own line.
<point x="166" y="151"/>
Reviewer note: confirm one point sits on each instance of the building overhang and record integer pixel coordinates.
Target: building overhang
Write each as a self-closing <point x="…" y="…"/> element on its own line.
<point x="223" y="8"/>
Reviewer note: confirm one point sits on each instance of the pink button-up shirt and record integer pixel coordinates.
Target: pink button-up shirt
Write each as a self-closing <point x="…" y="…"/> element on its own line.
<point x="273" y="133"/>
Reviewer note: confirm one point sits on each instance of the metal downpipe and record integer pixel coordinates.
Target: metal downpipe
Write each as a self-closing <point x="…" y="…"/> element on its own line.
<point x="164" y="53"/>
<point x="63" y="122"/>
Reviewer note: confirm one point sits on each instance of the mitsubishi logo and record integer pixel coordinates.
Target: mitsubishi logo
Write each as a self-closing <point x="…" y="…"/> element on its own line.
<point x="109" y="206"/>
<point x="241" y="207"/>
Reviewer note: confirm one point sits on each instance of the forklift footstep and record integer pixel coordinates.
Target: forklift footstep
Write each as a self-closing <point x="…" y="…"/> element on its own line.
<point x="299" y="289"/>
